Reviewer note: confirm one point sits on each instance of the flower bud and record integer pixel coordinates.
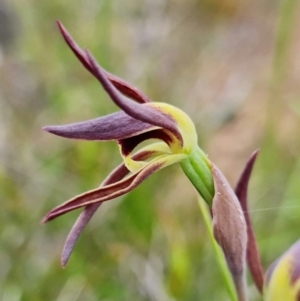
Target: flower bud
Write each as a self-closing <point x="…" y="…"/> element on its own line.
<point x="230" y="231"/>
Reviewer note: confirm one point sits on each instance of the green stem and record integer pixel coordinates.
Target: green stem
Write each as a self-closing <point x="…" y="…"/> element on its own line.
<point x="197" y="169"/>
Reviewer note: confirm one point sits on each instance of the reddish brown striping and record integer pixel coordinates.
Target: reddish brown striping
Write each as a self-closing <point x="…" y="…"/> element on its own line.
<point x="127" y="89"/>
<point x="104" y="193"/>
<point x="116" y="175"/>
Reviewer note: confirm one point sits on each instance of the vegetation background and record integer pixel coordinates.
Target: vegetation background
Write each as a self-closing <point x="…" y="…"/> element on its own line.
<point x="233" y="66"/>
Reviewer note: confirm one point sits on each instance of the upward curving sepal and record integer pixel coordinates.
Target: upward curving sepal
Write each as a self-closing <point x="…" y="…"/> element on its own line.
<point x="253" y="258"/>
<point x="124" y="87"/>
<point x="141" y="112"/>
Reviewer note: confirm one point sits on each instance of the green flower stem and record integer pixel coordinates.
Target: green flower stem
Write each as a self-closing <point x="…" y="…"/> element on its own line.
<point x="218" y="252"/>
<point x="197" y="169"/>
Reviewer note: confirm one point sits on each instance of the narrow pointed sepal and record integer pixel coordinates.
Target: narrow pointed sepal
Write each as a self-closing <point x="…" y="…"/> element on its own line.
<point x="116" y="87"/>
<point x="141" y="112"/>
<point x="124" y="87"/>
<point x="102" y="194"/>
<point x="253" y="258"/>
<point x="230" y="231"/>
<point x="76" y="230"/>
<point x="116" y="175"/>
<point x="115" y="126"/>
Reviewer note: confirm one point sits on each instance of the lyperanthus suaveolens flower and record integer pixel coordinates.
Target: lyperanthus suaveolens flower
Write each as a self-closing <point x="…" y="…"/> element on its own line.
<point x="139" y="120"/>
<point x="282" y="280"/>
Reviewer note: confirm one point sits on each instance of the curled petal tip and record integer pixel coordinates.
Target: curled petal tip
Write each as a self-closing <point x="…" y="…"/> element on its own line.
<point x="254" y="154"/>
<point x="78" y="227"/>
<point x="44" y="220"/>
<point x="47" y="128"/>
<point x="62" y="30"/>
<point x="59" y="24"/>
<point x="58" y="130"/>
<point x="64" y="259"/>
<point x="55" y="129"/>
<point x="256" y="151"/>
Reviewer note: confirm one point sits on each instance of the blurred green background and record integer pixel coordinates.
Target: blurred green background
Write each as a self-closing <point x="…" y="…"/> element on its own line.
<point x="233" y="66"/>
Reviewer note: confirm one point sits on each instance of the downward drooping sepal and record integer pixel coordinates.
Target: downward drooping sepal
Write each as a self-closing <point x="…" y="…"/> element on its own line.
<point x="282" y="279"/>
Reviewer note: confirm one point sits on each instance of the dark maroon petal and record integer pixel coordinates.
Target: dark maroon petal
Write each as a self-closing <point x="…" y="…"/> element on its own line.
<point x="75" y="232"/>
<point x="127" y="90"/>
<point x="138" y="111"/>
<point x="116" y="175"/>
<point x="120" y="84"/>
<point x="253" y="258"/>
<point x="104" y="193"/>
<point x="115" y="126"/>
<point x="129" y="144"/>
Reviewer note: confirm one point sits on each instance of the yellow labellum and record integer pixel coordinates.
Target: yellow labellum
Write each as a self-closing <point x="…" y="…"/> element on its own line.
<point x="185" y="126"/>
<point x="279" y="287"/>
<point x="186" y="129"/>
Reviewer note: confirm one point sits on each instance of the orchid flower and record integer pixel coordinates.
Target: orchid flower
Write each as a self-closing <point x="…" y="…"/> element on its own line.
<point x="140" y="119"/>
<point x="175" y="137"/>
